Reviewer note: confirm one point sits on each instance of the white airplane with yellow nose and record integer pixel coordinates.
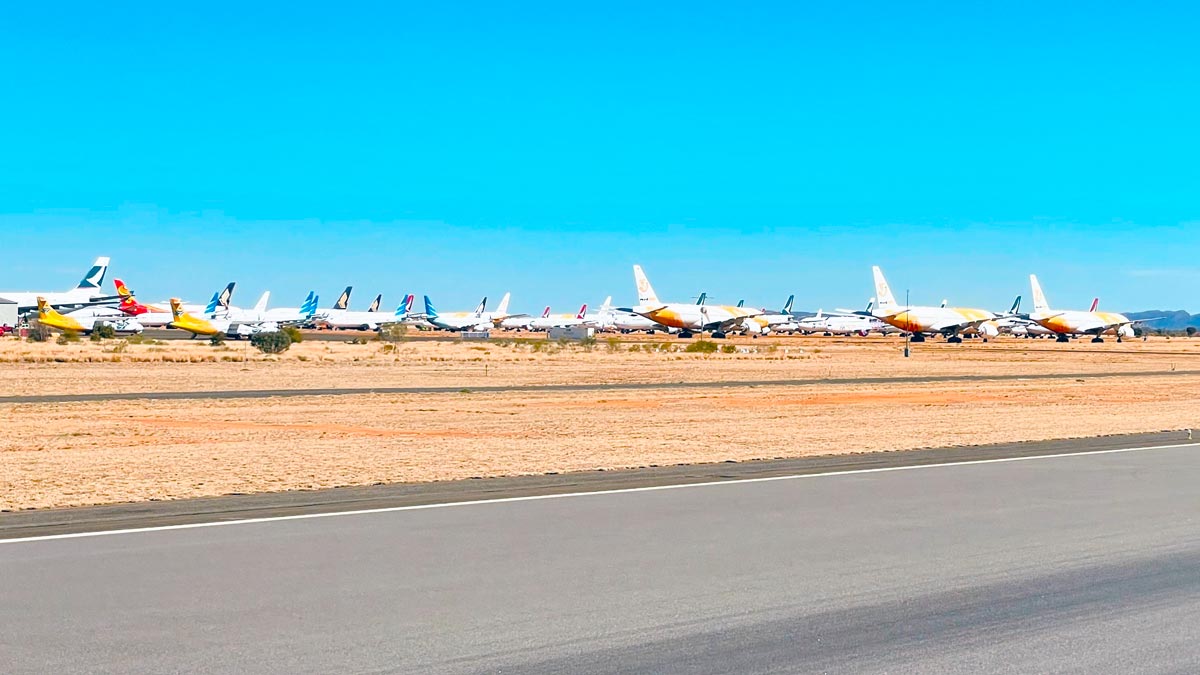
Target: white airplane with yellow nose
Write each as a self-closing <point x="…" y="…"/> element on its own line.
<point x="1074" y="322"/>
<point x="952" y="322"/>
<point x="687" y="317"/>
<point x="84" y="323"/>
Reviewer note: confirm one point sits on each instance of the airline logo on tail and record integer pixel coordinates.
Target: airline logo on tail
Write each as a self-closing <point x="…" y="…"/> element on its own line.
<point x="343" y="300"/>
<point x="479" y="309"/>
<point x="430" y="310"/>
<point x="375" y="305"/>
<point x="95" y="276"/>
<point x="582" y="311"/>
<point x="405" y="307"/>
<point x="882" y="290"/>
<point x="787" y="306"/>
<point x="1039" y="298"/>
<point x="546" y="312"/>
<point x="310" y="305"/>
<point x="646" y="294"/>
<point x="49" y="317"/>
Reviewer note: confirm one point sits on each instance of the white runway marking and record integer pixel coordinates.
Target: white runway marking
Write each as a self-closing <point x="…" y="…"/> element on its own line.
<point x="572" y="495"/>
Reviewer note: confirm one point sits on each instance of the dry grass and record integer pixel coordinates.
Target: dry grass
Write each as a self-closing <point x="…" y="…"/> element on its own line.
<point x="86" y="453"/>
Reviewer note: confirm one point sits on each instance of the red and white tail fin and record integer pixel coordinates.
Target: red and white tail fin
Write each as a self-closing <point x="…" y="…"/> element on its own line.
<point x="122" y="289"/>
<point x="582" y="311"/>
<point x="546" y="312"/>
<point x="1095" y="304"/>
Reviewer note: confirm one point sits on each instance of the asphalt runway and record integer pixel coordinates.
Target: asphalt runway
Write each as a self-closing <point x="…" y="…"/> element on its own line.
<point x="1078" y="563"/>
<point x="535" y="388"/>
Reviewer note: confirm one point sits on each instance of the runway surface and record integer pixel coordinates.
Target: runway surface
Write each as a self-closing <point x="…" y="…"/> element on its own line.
<point x="1081" y="563"/>
<point x="534" y="388"/>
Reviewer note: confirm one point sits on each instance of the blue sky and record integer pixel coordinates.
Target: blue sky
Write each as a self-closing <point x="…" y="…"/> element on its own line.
<point x="463" y="149"/>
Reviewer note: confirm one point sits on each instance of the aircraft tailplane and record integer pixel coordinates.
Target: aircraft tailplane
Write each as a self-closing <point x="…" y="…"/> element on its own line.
<point x="787" y="306"/>
<point x="646" y="294"/>
<point x="375" y="303"/>
<point x="430" y="311"/>
<point x="95" y="276"/>
<point x="1039" y="298"/>
<point x="502" y="308"/>
<point x="343" y="301"/>
<point x="261" y="305"/>
<point x="887" y="302"/>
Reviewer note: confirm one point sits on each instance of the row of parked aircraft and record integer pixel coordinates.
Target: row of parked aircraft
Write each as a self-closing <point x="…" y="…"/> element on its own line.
<point x="85" y="307"/>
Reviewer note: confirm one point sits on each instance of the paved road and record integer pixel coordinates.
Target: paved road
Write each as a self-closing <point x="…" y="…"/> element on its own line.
<point x="1086" y="563"/>
<point x="615" y="386"/>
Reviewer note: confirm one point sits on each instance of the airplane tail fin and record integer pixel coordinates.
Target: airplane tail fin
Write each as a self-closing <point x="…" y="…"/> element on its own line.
<point x="261" y="305"/>
<point x="343" y="300"/>
<point x="582" y="311"/>
<point x="122" y="290"/>
<point x="887" y="302"/>
<point x="502" y="308"/>
<point x="1016" y="306"/>
<point x="702" y="299"/>
<point x="375" y="303"/>
<point x="177" y="308"/>
<point x="741" y="303"/>
<point x="226" y="296"/>
<point x="546" y="312"/>
<point x="44" y="308"/>
<point x="430" y="310"/>
<point x="646" y="294"/>
<point x="607" y="306"/>
<point x="405" y="306"/>
<point x="787" y="306"/>
<point x="95" y="276"/>
<point x="1039" y="298"/>
<point x="310" y="304"/>
<point x="481" y="307"/>
<point x="1095" y="304"/>
<point x="212" y="304"/>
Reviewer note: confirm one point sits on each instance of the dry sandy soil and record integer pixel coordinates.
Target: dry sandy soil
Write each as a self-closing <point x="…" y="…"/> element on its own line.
<point x="89" y="453"/>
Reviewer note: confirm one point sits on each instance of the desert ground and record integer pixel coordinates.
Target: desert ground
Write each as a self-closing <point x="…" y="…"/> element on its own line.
<point x="765" y="398"/>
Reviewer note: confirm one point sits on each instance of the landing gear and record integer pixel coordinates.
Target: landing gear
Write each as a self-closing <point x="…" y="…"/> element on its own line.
<point x="718" y="335"/>
<point x="685" y="335"/>
<point x="954" y="339"/>
<point x="1097" y="340"/>
<point x="917" y="337"/>
<point x="1062" y="338"/>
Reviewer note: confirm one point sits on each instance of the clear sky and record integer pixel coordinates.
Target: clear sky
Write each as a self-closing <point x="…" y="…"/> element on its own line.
<point x="744" y="149"/>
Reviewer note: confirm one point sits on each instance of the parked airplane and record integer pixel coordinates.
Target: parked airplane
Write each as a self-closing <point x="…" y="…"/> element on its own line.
<point x="340" y="316"/>
<point x="768" y="323"/>
<point x="402" y="313"/>
<point x="1073" y="322"/>
<point x="86" y="293"/>
<point x="218" y="325"/>
<point x="844" y="322"/>
<point x="547" y="322"/>
<point x="687" y="317"/>
<point x="153" y="316"/>
<point x="521" y="321"/>
<point x="951" y="322"/>
<point x="49" y="317"/>
<point x="479" y="319"/>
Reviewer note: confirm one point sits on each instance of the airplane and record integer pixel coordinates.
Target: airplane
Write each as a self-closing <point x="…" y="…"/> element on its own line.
<point x="521" y="321"/>
<point x="480" y="319"/>
<point x="209" y="327"/>
<point x="767" y="323"/>
<point x="401" y="315"/>
<point x="154" y="316"/>
<point x="546" y="322"/>
<point x="716" y="319"/>
<point x="340" y="316"/>
<point x="86" y="293"/>
<point x="951" y="322"/>
<point x="844" y="322"/>
<point x="51" y="318"/>
<point x="279" y="315"/>
<point x="1073" y="322"/>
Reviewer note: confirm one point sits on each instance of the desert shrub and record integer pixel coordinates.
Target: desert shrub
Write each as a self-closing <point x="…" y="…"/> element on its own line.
<point x="294" y="334"/>
<point x="613" y="344"/>
<point x="67" y="338"/>
<point x="38" y="333"/>
<point x="701" y="347"/>
<point x="728" y="349"/>
<point x="217" y="340"/>
<point x="276" y="342"/>
<point x="104" y="331"/>
<point x="394" y="333"/>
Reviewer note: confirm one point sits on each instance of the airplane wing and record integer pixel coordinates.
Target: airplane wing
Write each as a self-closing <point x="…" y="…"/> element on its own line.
<point x="958" y="326"/>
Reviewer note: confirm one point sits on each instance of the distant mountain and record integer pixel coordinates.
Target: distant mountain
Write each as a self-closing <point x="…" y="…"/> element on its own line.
<point x="1172" y="320"/>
